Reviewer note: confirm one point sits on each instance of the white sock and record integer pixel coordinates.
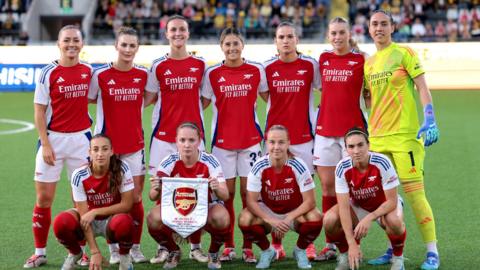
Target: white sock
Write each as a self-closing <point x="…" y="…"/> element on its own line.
<point x="195" y="246"/>
<point x="331" y="246"/>
<point x="136" y="246"/>
<point x="432" y="247"/>
<point x="41" y="251"/>
<point x="113" y="247"/>
<point x="83" y="248"/>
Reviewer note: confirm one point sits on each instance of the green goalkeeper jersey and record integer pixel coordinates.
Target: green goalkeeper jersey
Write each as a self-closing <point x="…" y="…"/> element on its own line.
<point x="389" y="76"/>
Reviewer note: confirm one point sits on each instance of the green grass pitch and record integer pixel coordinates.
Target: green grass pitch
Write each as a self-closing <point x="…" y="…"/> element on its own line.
<point x="451" y="173"/>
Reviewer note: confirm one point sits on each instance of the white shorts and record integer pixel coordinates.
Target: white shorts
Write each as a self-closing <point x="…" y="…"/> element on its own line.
<point x="70" y="149"/>
<point x="361" y="213"/>
<point x="159" y="150"/>
<point x="305" y="152"/>
<point x="269" y="212"/>
<point x="135" y="161"/>
<point x="328" y="151"/>
<point x="237" y="162"/>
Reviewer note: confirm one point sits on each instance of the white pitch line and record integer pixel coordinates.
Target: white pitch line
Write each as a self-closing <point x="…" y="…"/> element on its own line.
<point x="26" y="126"/>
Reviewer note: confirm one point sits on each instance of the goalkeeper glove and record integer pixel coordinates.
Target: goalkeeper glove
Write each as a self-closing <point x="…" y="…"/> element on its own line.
<point x="429" y="126"/>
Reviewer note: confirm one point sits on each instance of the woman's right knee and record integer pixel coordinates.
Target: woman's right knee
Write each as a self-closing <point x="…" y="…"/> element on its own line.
<point x="331" y="221"/>
<point x="154" y="217"/>
<point x="245" y="218"/>
<point x="45" y="194"/>
<point x="66" y="221"/>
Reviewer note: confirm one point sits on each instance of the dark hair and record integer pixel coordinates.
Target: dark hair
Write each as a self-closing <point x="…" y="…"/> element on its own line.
<point x="231" y="31"/>
<point x="70" y="27"/>
<point x="356" y="131"/>
<point x="192" y="126"/>
<point x="176" y="17"/>
<point x="115" y="172"/>
<point x="388" y="14"/>
<point x="287" y="24"/>
<point x="125" y="30"/>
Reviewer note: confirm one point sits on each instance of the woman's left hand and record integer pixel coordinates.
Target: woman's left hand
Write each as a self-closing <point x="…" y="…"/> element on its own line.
<point x="87" y="218"/>
<point x="362" y="228"/>
<point x="213" y="183"/>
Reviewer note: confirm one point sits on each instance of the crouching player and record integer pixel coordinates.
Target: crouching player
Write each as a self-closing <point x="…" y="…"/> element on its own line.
<point x="366" y="186"/>
<point x="280" y="197"/>
<point x="103" y="194"/>
<point x="189" y="162"/>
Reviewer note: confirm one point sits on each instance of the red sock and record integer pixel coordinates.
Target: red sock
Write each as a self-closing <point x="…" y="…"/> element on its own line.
<point x="218" y="237"/>
<point x="256" y="234"/>
<point x="231" y="212"/>
<point x="195" y="237"/>
<point x="68" y="232"/>
<point x="247" y="243"/>
<point x="120" y="230"/>
<point x="339" y="240"/>
<point x="398" y="242"/>
<point x="163" y="236"/>
<point x="42" y="217"/>
<point x="276" y="240"/>
<point x="327" y="203"/>
<point x="137" y="214"/>
<point x="308" y="232"/>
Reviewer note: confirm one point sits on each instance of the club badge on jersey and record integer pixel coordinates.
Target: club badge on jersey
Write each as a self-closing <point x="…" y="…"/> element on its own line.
<point x="184" y="204"/>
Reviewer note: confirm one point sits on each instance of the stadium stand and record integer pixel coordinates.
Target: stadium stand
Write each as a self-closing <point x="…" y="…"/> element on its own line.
<point x="416" y="20"/>
<point x="11" y="14"/>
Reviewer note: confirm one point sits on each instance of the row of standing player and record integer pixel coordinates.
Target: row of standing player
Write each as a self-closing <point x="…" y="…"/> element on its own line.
<point x="170" y="65"/>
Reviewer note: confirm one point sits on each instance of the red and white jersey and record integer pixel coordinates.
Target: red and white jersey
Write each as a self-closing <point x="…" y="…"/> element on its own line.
<point x="342" y="84"/>
<point x="206" y="166"/>
<point x="281" y="192"/>
<point x="291" y="100"/>
<point x="178" y="84"/>
<point x="120" y="105"/>
<point x="95" y="191"/>
<point x="234" y="91"/>
<point x="366" y="189"/>
<point x="64" y="91"/>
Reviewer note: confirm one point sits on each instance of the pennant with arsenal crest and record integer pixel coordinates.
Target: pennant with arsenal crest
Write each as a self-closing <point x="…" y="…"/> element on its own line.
<point x="184" y="204"/>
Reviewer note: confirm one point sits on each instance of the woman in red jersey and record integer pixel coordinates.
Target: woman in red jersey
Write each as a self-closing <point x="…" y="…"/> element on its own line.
<point x="174" y="81"/>
<point x="292" y="78"/>
<point x="232" y="87"/>
<point x="63" y="124"/>
<point x="366" y="187"/>
<point x="189" y="162"/>
<point x="103" y="195"/>
<point x="118" y="89"/>
<point x="341" y="71"/>
<point x="280" y="197"/>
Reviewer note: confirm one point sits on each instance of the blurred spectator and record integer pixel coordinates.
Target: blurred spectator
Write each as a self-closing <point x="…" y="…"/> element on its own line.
<point x="359" y="29"/>
<point x="475" y="32"/>
<point x="440" y="31"/>
<point x="418" y="29"/>
<point x="452" y="30"/>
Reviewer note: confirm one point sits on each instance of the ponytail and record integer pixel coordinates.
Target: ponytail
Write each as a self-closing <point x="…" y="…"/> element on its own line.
<point x="115" y="175"/>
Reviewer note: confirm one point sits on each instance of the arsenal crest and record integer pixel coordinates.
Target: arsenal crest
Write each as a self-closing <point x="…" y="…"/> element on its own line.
<point x="185" y="200"/>
<point x="184" y="204"/>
